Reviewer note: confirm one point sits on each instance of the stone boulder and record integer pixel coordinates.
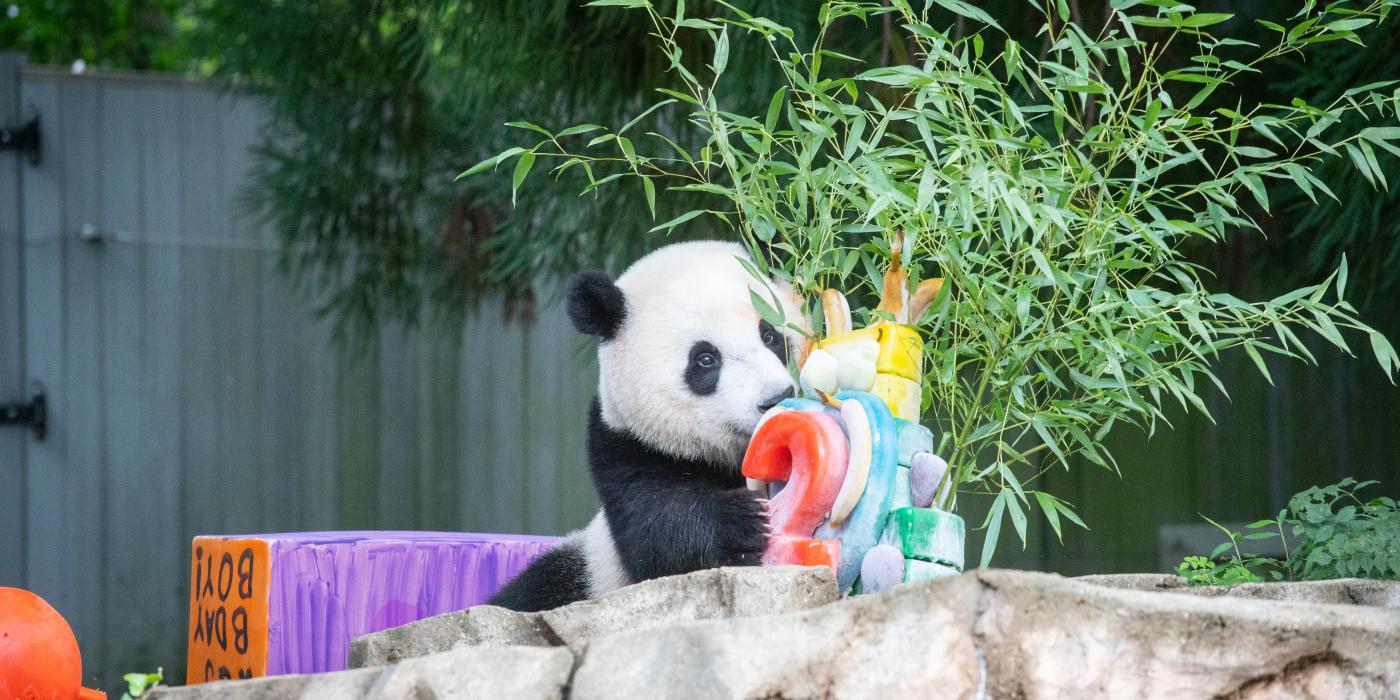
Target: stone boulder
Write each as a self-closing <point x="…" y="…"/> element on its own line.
<point x="1011" y="634"/>
<point x="704" y="595"/>
<point x="913" y="641"/>
<point x="1044" y="636"/>
<point x="775" y="633"/>
<point x="481" y="625"/>
<point x="468" y="673"/>
<point x="1345" y="591"/>
<point x="716" y="594"/>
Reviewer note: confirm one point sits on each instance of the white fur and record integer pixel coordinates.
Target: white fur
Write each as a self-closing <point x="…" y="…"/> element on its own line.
<point x="676" y="296"/>
<point x="605" y="572"/>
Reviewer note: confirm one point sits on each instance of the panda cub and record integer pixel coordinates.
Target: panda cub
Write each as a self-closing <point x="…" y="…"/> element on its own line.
<point x="686" y="368"/>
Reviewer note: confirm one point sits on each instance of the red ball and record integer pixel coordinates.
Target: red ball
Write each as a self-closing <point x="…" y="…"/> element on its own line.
<point x="39" y="655"/>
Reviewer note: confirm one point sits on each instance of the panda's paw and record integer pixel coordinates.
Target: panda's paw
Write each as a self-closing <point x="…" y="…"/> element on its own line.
<point x="743" y="529"/>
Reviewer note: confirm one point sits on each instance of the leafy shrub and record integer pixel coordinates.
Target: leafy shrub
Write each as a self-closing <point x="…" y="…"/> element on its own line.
<point x="1337" y="535"/>
<point x="1056" y="191"/>
<point x="138" y="684"/>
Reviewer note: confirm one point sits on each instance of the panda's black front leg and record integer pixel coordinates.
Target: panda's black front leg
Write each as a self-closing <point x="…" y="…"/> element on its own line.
<point x="662" y="527"/>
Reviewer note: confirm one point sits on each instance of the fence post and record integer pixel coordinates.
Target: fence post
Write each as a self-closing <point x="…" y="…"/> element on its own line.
<point x="13" y="439"/>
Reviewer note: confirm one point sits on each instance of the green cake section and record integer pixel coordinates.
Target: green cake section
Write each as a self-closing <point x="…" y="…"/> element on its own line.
<point x="926" y="534"/>
<point x="931" y="540"/>
<point x="919" y="570"/>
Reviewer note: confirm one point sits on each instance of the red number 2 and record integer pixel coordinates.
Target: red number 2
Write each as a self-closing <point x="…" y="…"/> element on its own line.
<point x="807" y="450"/>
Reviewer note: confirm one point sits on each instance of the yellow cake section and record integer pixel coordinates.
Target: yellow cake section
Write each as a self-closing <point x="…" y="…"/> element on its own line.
<point x="901" y="348"/>
<point x="898" y="366"/>
<point x="871" y="333"/>
<point x="901" y="352"/>
<point x="900" y="394"/>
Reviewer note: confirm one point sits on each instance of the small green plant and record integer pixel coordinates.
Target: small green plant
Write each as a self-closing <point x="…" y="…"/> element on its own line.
<point x="1240" y="567"/>
<point x="1336" y="535"/>
<point x="138" y="684"/>
<point x="1056" y="187"/>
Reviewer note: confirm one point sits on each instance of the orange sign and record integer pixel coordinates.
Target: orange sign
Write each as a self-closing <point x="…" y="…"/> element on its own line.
<point x="228" y="609"/>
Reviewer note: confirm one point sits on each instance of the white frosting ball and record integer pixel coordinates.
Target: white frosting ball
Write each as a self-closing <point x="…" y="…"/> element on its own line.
<point x="855" y="373"/>
<point x="819" y="372"/>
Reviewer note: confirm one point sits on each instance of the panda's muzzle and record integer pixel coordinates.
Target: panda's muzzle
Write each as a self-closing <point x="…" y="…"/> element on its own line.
<point x="765" y="405"/>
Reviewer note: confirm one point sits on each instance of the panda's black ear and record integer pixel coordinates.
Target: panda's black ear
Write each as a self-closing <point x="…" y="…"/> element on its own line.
<point x="596" y="305"/>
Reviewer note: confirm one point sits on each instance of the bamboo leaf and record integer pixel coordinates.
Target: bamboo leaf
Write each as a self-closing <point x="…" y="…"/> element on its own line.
<point x="1258" y="362"/>
<point x="1385" y="354"/>
<point x="1205" y="19"/>
<point x="770" y="119"/>
<point x="1018" y="518"/>
<point x="765" y="310"/>
<point x="993" y="528"/>
<point x="1052" y="516"/>
<point x="522" y="168"/>
<point x="650" y="190"/>
<point x="721" y="52"/>
<point x="958" y="7"/>
<point x="531" y="127"/>
<point x="667" y="226"/>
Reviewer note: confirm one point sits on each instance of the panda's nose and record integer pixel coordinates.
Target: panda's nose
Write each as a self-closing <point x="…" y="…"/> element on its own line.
<point x="773" y="400"/>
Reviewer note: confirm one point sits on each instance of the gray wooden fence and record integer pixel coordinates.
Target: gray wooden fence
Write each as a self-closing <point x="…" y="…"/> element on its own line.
<point x="192" y="391"/>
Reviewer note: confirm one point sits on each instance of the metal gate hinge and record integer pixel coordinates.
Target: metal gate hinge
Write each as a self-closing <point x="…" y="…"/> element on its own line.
<point x="23" y="137"/>
<point x="35" y="414"/>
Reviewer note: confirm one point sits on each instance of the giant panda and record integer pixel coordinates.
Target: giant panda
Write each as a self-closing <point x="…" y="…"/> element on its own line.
<point x="686" y="368"/>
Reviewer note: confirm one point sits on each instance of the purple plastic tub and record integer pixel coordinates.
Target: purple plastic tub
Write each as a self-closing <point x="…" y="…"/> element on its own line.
<point x="326" y="588"/>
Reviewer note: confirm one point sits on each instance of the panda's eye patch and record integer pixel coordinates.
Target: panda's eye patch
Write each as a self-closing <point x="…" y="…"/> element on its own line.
<point x="773" y="340"/>
<point x="702" y="372"/>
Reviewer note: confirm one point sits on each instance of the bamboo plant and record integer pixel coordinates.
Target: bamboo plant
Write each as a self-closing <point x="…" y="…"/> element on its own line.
<point x="1055" y="183"/>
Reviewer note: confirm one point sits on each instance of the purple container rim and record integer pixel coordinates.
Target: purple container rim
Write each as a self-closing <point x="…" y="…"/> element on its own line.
<point x="341" y="536"/>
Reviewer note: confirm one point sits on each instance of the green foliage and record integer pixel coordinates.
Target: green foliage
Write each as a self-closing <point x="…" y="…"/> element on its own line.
<point x="1335" y="535"/>
<point x="1056" y="194"/>
<point x="137" y="684"/>
<point x="376" y="105"/>
<point x="1359" y="218"/>
<point x="1342" y="535"/>
<point x="1202" y="571"/>
<point x="387" y="235"/>
<point x="106" y="33"/>
<point x="1239" y="567"/>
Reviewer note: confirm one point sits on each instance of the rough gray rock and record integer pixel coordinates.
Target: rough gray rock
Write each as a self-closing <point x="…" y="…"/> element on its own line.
<point x="1346" y="591"/>
<point x="469" y="673"/>
<point x="482" y="625"/>
<point x="984" y="634"/>
<point x="913" y="641"/>
<point x="529" y="673"/>
<point x="715" y="594"/>
<point x="1011" y="634"/>
<point x="345" y="684"/>
<point x="1136" y="582"/>
<point x="1044" y="636"/>
<point x="704" y="595"/>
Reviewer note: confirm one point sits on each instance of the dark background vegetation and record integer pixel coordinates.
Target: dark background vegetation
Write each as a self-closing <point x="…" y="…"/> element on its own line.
<point x="378" y="104"/>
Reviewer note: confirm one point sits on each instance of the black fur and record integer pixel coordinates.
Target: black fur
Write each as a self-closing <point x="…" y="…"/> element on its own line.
<point x="702" y="372"/>
<point x="775" y="399"/>
<point x="667" y="516"/>
<point x="773" y="340"/>
<point x="596" y="306"/>
<point x="670" y="515"/>
<point x="558" y="577"/>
